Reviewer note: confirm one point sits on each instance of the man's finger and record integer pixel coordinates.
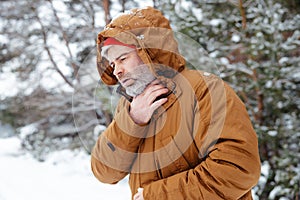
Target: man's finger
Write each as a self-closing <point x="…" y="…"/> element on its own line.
<point x="158" y="103"/>
<point x="153" y="88"/>
<point x="155" y="82"/>
<point x="157" y="93"/>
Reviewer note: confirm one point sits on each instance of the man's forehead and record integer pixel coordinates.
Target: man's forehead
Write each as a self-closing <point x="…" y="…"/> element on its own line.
<point x="115" y="51"/>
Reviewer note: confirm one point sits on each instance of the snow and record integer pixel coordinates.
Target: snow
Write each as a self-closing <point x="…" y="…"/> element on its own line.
<point x="278" y="190"/>
<point x="98" y="129"/>
<point x="8" y="85"/>
<point x="61" y="129"/>
<point x="216" y="22"/>
<point x="60" y="6"/>
<point x="224" y="61"/>
<point x="6" y="130"/>
<point x="235" y="38"/>
<point x="3" y="39"/>
<point x="98" y="19"/>
<point x="265" y="169"/>
<point x="185" y="5"/>
<point x="283" y="60"/>
<point x="27" y="130"/>
<point x="198" y="13"/>
<point x="269" y="84"/>
<point x="64" y="175"/>
<point x="272" y="133"/>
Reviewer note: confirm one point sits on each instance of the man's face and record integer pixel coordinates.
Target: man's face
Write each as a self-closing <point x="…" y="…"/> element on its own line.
<point x="130" y="70"/>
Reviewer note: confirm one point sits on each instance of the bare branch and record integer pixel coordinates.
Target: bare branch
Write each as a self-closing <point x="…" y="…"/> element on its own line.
<point x="66" y="39"/>
<point x="106" y="7"/>
<point x="259" y="98"/>
<point x="243" y="14"/>
<point x="46" y="47"/>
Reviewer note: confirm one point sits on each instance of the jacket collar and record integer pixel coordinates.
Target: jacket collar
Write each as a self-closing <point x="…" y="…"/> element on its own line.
<point x="172" y="98"/>
<point x="121" y="90"/>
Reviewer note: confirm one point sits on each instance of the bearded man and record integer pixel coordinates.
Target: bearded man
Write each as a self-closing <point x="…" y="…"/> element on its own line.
<point x="178" y="133"/>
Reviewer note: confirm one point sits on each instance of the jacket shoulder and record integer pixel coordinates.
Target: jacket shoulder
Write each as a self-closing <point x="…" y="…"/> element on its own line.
<point x="199" y="79"/>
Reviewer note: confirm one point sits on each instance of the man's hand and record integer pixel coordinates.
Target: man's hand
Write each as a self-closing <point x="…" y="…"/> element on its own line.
<point x="139" y="195"/>
<point x="143" y="105"/>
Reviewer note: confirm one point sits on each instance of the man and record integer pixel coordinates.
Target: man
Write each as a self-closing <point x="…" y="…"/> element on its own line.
<point x="179" y="133"/>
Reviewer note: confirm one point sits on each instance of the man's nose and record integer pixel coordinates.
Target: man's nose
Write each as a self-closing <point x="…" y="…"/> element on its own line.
<point x="118" y="70"/>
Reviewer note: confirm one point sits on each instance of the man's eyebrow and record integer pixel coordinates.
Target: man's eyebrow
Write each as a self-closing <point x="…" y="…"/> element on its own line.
<point x="123" y="54"/>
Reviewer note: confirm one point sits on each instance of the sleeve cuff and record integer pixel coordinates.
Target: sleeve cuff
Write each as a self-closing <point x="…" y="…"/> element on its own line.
<point x="128" y="126"/>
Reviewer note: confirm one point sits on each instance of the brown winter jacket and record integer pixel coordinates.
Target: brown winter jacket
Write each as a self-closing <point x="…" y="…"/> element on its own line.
<point x="198" y="145"/>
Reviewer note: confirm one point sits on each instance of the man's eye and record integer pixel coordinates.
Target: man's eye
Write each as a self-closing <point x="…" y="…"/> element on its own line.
<point x="112" y="65"/>
<point x="123" y="58"/>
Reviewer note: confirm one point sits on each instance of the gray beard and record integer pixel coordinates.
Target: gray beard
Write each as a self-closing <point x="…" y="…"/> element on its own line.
<point x="143" y="77"/>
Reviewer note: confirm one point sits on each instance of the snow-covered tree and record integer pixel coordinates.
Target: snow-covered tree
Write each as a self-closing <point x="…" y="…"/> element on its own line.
<point x="48" y="48"/>
<point x="255" y="45"/>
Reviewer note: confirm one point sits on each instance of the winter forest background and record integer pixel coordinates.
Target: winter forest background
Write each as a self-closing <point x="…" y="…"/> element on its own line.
<point x="52" y="100"/>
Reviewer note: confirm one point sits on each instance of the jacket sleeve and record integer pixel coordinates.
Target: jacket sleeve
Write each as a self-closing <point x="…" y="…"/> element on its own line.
<point x="115" y="149"/>
<point x="230" y="164"/>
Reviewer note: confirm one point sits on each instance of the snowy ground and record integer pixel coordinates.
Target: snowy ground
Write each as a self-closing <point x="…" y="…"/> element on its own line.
<point x="65" y="175"/>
